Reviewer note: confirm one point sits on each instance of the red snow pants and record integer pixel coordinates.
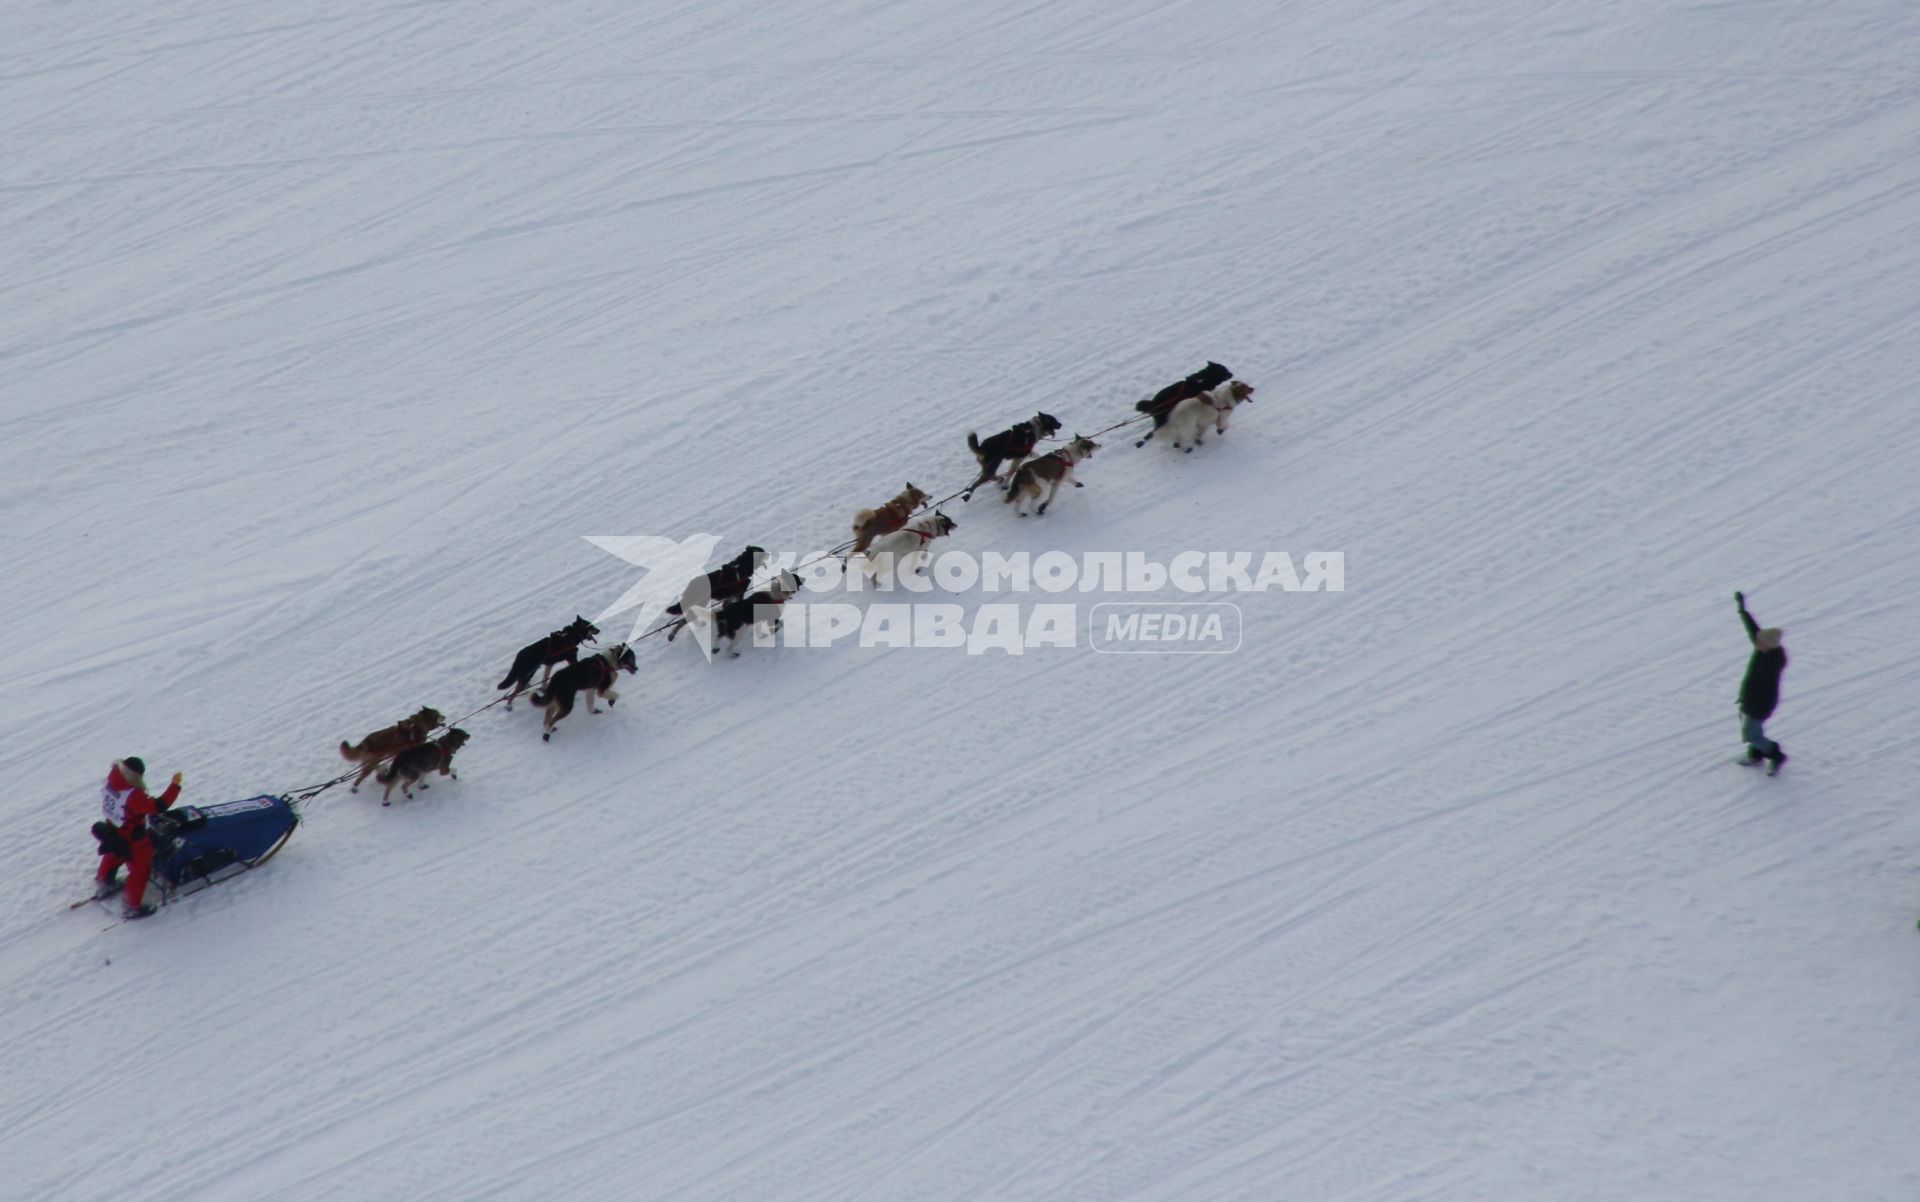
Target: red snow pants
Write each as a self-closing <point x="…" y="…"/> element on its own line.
<point x="139" y="865"/>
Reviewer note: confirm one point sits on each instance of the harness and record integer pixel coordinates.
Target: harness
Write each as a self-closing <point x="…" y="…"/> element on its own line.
<point x="1022" y="438"/>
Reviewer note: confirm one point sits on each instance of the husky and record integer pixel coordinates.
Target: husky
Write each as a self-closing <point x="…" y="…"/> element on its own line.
<point x="716" y="588"/>
<point x="1161" y="404"/>
<point x="869" y="524"/>
<point x="1191" y="417"/>
<point x="408" y="732"/>
<point x="759" y="610"/>
<point x="912" y="544"/>
<point x="415" y="762"/>
<point x="1049" y="471"/>
<point x="562" y="644"/>
<point x="594" y="675"/>
<point x="1011" y="446"/>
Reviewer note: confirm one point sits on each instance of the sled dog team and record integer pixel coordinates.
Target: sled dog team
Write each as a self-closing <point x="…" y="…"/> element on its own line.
<point x="894" y="535"/>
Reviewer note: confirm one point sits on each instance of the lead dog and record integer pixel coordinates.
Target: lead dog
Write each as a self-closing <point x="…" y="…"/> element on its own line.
<point x="593" y="675"/>
<point x="913" y="544"/>
<point x="1161" y="404"/>
<point x="1191" y="417"/>
<point x="1011" y="446"/>
<point x="408" y="732"/>
<point x="869" y="524"/>
<point x="723" y="584"/>
<point x="759" y="610"/>
<point x="562" y="644"/>
<point x="415" y="762"/>
<point x="1049" y="471"/>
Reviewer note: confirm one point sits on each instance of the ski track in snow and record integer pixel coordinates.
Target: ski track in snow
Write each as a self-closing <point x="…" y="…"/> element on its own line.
<point x="324" y="337"/>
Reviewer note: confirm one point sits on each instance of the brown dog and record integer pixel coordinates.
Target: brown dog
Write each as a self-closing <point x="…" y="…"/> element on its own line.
<point x="415" y="762"/>
<point x="410" y="732"/>
<point x="870" y="524"/>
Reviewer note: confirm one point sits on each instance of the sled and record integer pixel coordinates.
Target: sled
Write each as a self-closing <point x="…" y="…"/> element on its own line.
<point x="198" y="846"/>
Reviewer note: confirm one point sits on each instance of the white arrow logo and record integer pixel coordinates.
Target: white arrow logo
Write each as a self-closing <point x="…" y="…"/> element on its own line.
<point x="669" y="566"/>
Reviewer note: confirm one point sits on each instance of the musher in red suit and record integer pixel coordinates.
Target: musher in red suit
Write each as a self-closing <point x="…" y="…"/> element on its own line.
<point x="125" y="804"/>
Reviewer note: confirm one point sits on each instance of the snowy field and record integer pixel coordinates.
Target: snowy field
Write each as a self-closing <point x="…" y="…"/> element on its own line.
<point x="327" y="333"/>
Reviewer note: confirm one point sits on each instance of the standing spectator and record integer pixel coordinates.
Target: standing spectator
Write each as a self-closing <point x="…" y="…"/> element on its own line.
<point x="1760" y="690"/>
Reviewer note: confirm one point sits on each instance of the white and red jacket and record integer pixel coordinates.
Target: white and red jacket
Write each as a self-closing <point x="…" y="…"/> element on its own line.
<point x="125" y="803"/>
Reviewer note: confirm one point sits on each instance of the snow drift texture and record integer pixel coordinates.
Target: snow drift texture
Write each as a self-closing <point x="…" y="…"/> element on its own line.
<point x="327" y="332"/>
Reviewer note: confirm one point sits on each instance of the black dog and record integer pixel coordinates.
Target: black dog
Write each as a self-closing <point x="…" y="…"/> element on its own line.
<point x="593" y="675"/>
<point x="764" y="606"/>
<point x="1011" y="446"/>
<point x="723" y="584"/>
<point x="1161" y="404"/>
<point x="562" y="644"/>
<point x="415" y="762"/>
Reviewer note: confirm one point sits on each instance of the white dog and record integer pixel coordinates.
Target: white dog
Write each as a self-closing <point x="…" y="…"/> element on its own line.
<point x="1190" y="418"/>
<point x="911" y="545"/>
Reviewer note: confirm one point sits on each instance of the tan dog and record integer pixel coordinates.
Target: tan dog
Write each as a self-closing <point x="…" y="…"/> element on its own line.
<point x="1049" y="471"/>
<point x="415" y="762"/>
<point x="870" y="524"/>
<point x="410" y="732"/>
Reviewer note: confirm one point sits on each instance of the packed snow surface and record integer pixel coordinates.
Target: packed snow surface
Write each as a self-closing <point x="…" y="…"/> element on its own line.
<point x="328" y="332"/>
